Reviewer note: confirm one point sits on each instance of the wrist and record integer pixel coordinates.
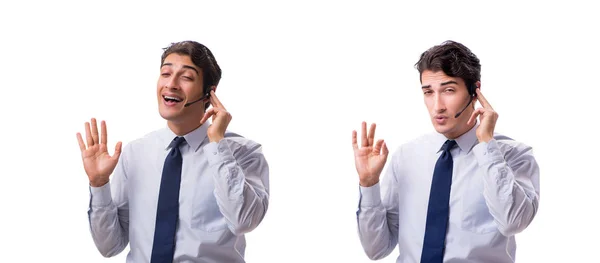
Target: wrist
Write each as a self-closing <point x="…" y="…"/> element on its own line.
<point x="216" y="138"/>
<point x="368" y="182"/>
<point x="485" y="138"/>
<point x="98" y="183"/>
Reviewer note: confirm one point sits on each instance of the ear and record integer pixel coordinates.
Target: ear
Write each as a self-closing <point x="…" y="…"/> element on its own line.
<point x="207" y="103"/>
<point x="477" y="86"/>
<point x="474" y="98"/>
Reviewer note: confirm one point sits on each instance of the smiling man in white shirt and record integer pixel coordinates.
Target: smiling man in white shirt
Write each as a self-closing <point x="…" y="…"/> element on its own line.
<point x="184" y="193"/>
<point x="459" y="194"/>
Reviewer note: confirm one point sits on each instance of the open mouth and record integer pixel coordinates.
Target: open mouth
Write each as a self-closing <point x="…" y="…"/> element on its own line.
<point x="172" y="99"/>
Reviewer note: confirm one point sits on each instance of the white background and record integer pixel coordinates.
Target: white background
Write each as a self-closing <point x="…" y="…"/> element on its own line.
<point x="298" y="77"/>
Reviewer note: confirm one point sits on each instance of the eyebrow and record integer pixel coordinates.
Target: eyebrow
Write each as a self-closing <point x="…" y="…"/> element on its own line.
<point x="449" y="82"/>
<point x="442" y="84"/>
<point x="184" y="66"/>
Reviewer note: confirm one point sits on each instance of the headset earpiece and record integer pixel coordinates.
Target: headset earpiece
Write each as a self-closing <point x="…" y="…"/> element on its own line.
<point x="472" y="90"/>
<point x="207" y="92"/>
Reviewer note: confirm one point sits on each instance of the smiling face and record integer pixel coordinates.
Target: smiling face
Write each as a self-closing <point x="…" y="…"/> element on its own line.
<point x="180" y="82"/>
<point x="445" y="97"/>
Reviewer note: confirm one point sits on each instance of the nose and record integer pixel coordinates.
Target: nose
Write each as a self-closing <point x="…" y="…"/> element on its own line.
<point x="438" y="105"/>
<point x="172" y="83"/>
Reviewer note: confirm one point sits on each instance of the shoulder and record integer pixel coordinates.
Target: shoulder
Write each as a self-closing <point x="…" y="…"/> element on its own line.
<point x="238" y="143"/>
<point x="515" y="153"/>
<point x="508" y="144"/>
<point x="143" y="143"/>
<point x="416" y="144"/>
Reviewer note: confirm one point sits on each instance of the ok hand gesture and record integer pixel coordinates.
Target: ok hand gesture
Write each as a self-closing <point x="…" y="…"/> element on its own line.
<point x="370" y="157"/>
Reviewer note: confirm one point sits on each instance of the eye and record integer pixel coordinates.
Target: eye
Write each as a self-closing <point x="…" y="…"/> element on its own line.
<point x="449" y="90"/>
<point x="427" y="92"/>
<point x="165" y="74"/>
<point x="188" y="78"/>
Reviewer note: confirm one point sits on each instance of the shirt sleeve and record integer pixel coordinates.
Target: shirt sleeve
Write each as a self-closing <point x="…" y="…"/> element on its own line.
<point x="511" y="184"/>
<point x="109" y="213"/>
<point x="377" y="217"/>
<point x="241" y="176"/>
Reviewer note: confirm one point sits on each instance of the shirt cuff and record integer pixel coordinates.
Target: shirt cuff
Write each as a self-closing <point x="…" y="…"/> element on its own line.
<point x="101" y="196"/>
<point x="218" y="152"/>
<point x="370" y="196"/>
<point x="488" y="152"/>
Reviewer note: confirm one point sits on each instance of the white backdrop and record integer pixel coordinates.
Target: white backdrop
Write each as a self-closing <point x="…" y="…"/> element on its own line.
<point x="298" y="78"/>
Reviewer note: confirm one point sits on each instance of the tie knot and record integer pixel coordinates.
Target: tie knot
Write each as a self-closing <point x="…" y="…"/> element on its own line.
<point x="448" y="145"/>
<point x="177" y="141"/>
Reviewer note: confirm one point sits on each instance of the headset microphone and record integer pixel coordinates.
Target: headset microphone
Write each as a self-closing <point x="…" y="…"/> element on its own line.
<point x="201" y="98"/>
<point x="473" y="94"/>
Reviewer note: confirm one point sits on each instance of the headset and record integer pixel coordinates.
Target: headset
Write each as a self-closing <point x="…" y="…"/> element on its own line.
<point x="206" y="96"/>
<point x="471" y="89"/>
<point x="207" y="89"/>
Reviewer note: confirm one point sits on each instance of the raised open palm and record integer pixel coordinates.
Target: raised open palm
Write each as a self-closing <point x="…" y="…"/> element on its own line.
<point x="370" y="158"/>
<point x="98" y="164"/>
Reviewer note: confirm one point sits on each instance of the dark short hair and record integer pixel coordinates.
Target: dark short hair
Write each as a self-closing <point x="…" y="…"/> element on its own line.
<point x="455" y="60"/>
<point x="201" y="56"/>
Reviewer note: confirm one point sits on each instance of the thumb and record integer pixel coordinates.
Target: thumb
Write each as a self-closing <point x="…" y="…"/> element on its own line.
<point x="208" y="113"/>
<point x="385" y="150"/>
<point x="473" y="116"/>
<point x="117" y="151"/>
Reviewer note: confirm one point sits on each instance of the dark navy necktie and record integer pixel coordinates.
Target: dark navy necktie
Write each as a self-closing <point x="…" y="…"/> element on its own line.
<point x="167" y="211"/>
<point x="437" y="211"/>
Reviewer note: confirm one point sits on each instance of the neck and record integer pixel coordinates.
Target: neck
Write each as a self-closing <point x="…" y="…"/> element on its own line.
<point x="183" y="127"/>
<point x="461" y="131"/>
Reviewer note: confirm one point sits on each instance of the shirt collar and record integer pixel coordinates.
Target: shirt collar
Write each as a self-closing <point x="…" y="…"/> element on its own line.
<point x="194" y="138"/>
<point x="465" y="142"/>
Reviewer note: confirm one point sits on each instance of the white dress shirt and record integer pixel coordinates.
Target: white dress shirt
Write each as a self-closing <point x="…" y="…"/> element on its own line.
<point x="494" y="195"/>
<point x="224" y="193"/>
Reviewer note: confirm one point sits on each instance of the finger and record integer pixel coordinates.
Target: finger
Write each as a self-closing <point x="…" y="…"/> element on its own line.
<point x="88" y="135"/>
<point x="118" y="149"/>
<point x="474" y="115"/>
<point x="80" y="141"/>
<point x="95" y="131"/>
<point x="103" y="133"/>
<point x="482" y="99"/>
<point x="385" y="149"/>
<point x="215" y="100"/>
<point x="371" y="134"/>
<point x="363" y="136"/>
<point x="354" y="141"/>
<point x="207" y="115"/>
<point x="377" y="147"/>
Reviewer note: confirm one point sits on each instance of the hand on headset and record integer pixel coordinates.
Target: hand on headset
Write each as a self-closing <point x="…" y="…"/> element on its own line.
<point x="487" y="119"/>
<point x="220" y="119"/>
